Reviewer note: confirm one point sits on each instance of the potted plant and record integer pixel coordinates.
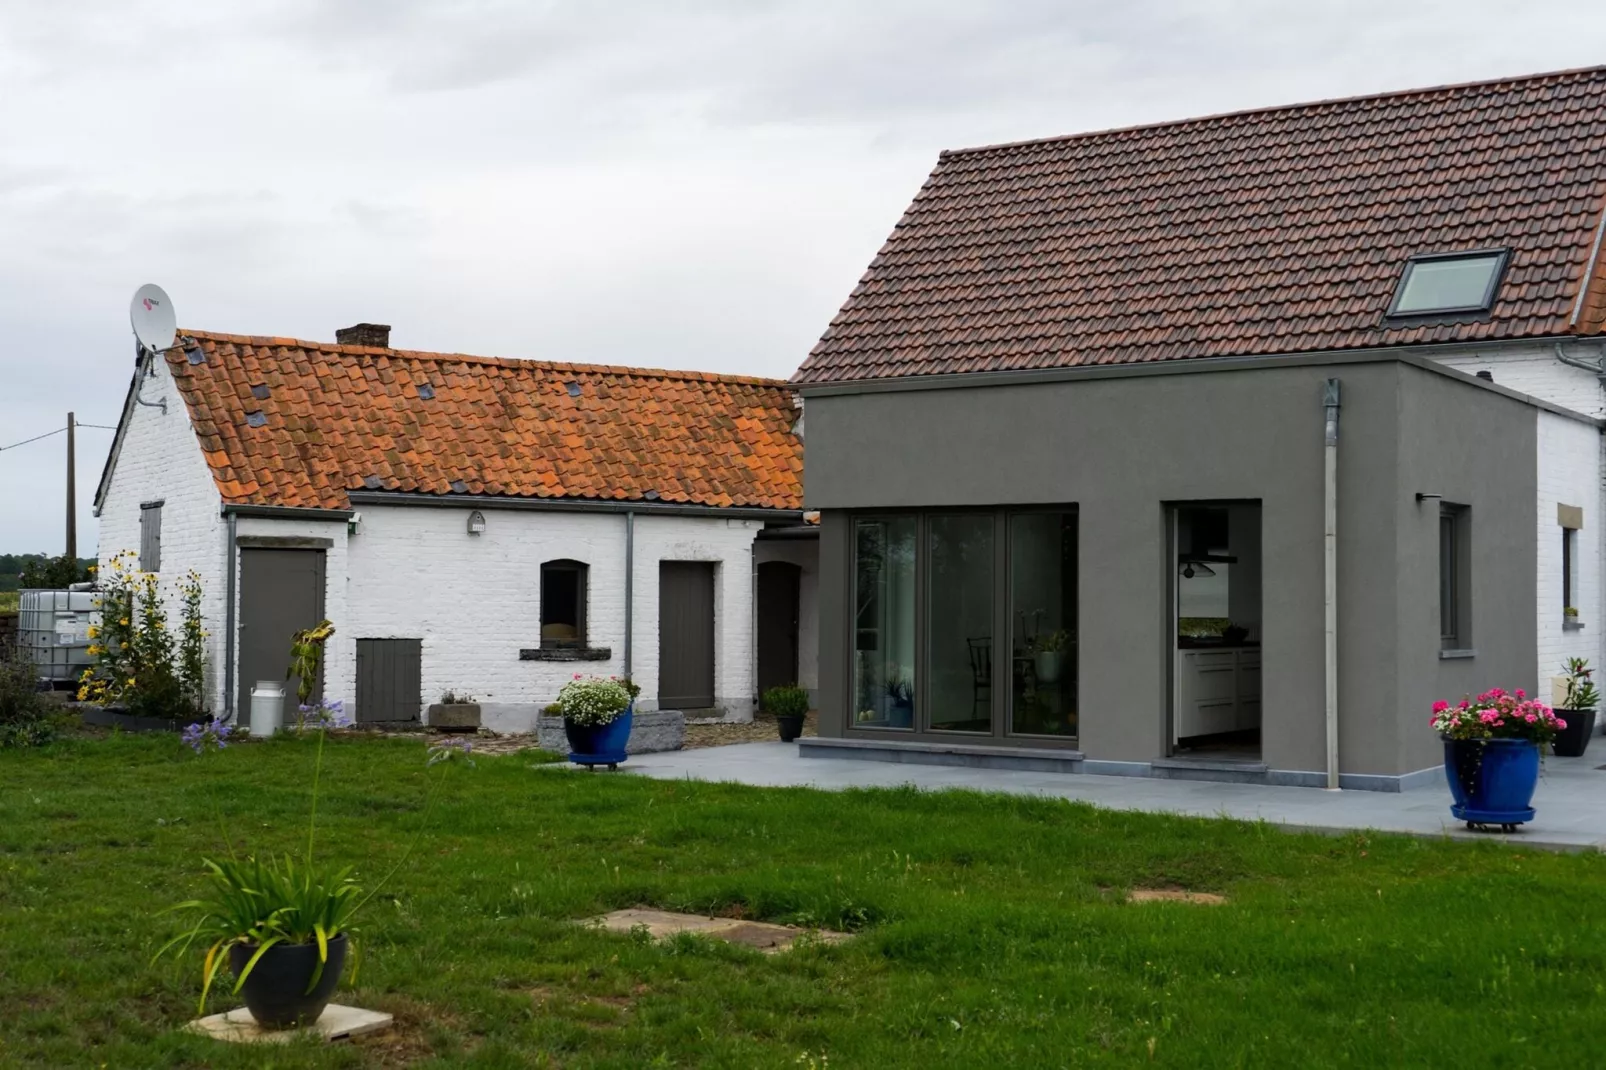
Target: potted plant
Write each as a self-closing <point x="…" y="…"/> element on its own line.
<point x="1048" y="654"/>
<point x="1491" y="755"/>
<point x="789" y="704"/>
<point x="597" y="716"/>
<point x="1578" y="709"/>
<point x="900" y="700"/>
<point x="455" y="713"/>
<point x="284" y="926"/>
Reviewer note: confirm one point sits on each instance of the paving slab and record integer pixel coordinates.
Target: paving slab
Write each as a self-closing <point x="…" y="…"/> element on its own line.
<point x="336" y="1023"/>
<point x="762" y="935"/>
<point x="1571" y="799"/>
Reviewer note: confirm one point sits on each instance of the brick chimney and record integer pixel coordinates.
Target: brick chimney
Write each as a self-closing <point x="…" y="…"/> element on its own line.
<point x="365" y="334"/>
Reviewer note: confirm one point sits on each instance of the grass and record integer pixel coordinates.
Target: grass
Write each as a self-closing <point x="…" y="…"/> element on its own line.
<point x="10" y="601"/>
<point x="992" y="931"/>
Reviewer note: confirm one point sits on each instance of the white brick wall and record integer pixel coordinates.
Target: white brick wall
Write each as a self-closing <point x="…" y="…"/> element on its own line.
<point x="1570" y="466"/>
<point x="1535" y="371"/>
<point x="161" y="460"/>
<point x="474" y="601"/>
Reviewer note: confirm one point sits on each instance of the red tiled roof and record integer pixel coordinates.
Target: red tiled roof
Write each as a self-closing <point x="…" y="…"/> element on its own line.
<point x="1274" y="231"/>
<point x="338" y="418"/>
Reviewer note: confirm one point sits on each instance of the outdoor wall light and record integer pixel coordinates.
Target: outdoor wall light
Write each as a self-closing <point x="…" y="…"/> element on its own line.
<point x="476" y="523"/>
<point x="1422" y="496"/>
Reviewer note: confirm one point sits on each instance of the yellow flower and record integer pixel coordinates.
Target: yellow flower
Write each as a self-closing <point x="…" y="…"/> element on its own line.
<point x="130" y="681"/>
<point x="123" y="622"/>
<point x="94" y="651"/>
<point x="83" y="693"/>
<point x="94" y="568"/>
<point x="94" y="632"/>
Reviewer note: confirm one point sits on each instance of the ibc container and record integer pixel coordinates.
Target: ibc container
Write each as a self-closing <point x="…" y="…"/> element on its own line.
<point x="53" y="633"/>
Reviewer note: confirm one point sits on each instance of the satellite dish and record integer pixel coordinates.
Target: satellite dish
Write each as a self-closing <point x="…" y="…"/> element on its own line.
<point x="151" y="313"/>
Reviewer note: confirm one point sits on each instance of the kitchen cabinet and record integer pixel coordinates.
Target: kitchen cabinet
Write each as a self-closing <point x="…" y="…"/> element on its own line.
<point x="1218" y="690"/>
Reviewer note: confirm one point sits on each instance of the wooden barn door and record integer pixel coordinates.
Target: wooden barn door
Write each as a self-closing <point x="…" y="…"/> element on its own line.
<point x="685" y="635"/>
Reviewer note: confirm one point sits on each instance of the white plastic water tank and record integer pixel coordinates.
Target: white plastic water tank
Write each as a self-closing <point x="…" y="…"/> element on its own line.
<point x="53" y="632"/>
<point x="267" y="707"/>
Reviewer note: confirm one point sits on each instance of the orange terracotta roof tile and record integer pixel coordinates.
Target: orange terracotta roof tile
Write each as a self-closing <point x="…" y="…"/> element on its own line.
<point x="1273" y="231"/>
<point x="339" y="418"/>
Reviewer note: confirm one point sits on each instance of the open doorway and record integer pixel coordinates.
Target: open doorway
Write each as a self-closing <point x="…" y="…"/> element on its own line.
<point x="1215" y="707"/>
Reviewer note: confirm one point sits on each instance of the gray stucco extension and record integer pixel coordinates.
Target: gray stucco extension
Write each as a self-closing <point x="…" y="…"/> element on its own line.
<point x="1120" y="448"/>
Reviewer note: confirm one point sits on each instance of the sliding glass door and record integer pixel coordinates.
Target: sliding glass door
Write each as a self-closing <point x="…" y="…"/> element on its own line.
<point x="959" y="630"/>
<point x="966" y="622"/>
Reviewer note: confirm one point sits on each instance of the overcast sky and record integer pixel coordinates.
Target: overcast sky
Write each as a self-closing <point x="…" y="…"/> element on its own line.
<point x="683" y="185"/>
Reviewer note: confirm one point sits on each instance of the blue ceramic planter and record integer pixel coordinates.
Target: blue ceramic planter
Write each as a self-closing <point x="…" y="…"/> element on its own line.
<point x="600" y="744"/>
<point x="1492" y="780"/>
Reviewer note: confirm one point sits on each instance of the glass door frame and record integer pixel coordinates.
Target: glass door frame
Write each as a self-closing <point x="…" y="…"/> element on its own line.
<point x="1001" y="692"/>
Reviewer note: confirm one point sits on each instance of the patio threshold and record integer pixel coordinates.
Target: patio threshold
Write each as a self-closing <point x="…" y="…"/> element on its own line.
<point x="923" y="752"/>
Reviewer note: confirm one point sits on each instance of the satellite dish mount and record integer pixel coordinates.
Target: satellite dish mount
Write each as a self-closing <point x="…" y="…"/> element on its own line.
<point x="155" y="327"/>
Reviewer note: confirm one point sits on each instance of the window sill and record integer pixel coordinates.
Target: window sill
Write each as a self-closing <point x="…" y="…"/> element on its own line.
<point x="567" y="653"/>
<point x="1456" y="655"/>
<point x="1572" y="624"/>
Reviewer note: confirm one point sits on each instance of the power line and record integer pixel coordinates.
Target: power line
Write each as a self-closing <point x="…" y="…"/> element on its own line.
<point x="35" y="438"/>
<point x="57" y="431"/>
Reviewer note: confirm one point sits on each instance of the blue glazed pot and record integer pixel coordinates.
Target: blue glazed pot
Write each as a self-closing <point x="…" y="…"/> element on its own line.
<point x="1492" y="780"/>
<point x="600" y="744"/>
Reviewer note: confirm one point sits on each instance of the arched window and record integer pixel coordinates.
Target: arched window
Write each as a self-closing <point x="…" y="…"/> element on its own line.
<point x="563" y="604"/>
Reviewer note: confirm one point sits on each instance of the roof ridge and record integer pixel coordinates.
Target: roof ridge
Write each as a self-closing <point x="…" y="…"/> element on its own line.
<point x="1269" y="109"/>
<point x="471" y="358"/>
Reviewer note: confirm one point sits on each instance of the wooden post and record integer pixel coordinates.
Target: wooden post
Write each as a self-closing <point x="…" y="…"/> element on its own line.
<point x="72" y="493"/>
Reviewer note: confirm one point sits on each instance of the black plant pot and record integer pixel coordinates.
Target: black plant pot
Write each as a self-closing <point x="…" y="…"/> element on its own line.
<point x="276" y="992"/>
<point x="790" y="724"/>
<point x="1572" y="741"/>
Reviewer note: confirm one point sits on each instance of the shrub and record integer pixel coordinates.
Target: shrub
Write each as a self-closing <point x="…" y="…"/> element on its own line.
<point x="139" y="664"/>
<point x="788" y="700"/>
<point x="24" y="717"/>
<point x="593" y="700"/>
<point x="54" y="573"/>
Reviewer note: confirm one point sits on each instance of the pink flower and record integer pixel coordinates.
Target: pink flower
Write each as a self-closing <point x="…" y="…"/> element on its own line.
<point x="1521" y="693"/>
<point x="1560" y="723"/>
<point x="1440" y="706"/>
<point x="1531" y="718"/>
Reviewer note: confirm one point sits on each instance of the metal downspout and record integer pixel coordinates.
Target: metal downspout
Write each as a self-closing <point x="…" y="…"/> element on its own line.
<point x="1330" y="574"/>
<point x="630" y="583"/>
<point x="231" y="555"/>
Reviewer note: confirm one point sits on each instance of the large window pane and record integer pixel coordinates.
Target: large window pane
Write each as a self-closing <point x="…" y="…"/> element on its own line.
<point x="960" y="662"/>
<point x="884" y="623"/>
<point x="1042" y="616"/>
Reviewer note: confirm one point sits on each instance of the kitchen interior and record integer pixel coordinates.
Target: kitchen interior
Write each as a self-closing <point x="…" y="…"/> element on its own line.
<point x="1216" y="672"/>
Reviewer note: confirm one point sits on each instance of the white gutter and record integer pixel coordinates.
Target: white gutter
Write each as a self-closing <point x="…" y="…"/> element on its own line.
<point x="1330" y="573"/>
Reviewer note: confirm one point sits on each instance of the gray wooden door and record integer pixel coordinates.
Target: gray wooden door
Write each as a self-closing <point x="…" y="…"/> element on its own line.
<point x="685" y="635"/>
<point x="389" y="674"/>
<point x="281" y="592"/>
<point x="778" y="587"/>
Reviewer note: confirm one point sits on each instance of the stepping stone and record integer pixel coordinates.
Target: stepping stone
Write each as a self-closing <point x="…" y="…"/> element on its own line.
<point x="336" y="1023"/>
<point x="761" y="935"/>
<point x="1175" y="895"/>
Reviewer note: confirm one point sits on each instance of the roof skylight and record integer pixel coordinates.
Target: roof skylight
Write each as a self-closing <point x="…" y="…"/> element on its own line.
<point x="1449" y="283"/>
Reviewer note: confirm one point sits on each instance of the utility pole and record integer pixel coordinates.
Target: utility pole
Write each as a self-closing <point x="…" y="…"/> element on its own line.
<point x="72" y="494"/>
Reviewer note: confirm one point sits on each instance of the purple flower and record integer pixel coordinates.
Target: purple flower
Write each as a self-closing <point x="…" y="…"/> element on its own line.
<point x="201" y="735"/>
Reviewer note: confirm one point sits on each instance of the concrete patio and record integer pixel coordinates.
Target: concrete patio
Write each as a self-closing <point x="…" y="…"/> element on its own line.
<point x="1571" y="799"/>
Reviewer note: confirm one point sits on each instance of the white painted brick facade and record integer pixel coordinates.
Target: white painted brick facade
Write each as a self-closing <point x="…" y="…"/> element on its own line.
<point x="1570" y="467"/>
<point x="160" y="460"/>
<point x="474" y="600"/>
<point x="1535" y="371"/>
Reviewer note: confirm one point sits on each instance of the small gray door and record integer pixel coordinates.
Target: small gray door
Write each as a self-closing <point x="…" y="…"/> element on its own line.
<point x="685" y="635"/>
<point x="778" y="587"/>
<point x="281" y="592"/>
<point x="389" y="672"/>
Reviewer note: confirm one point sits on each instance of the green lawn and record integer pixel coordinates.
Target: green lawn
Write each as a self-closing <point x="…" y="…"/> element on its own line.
<point x="992" y="929"/>
<point x="10" y="601"/>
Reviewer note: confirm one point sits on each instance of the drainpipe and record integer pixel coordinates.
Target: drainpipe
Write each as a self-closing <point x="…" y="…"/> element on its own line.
<point x="1597" y="366"/>
<point x="630" y="583"/>
<point x="228" y="623"/>
<point x="752" y="618"/>
<point x="1330" y="574"/>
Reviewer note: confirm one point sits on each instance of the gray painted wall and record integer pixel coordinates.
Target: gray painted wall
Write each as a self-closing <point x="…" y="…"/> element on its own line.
<point x="1120" y="448"/>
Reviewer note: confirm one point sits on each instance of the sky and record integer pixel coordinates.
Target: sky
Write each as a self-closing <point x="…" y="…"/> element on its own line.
<point x="648" y="182"/>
